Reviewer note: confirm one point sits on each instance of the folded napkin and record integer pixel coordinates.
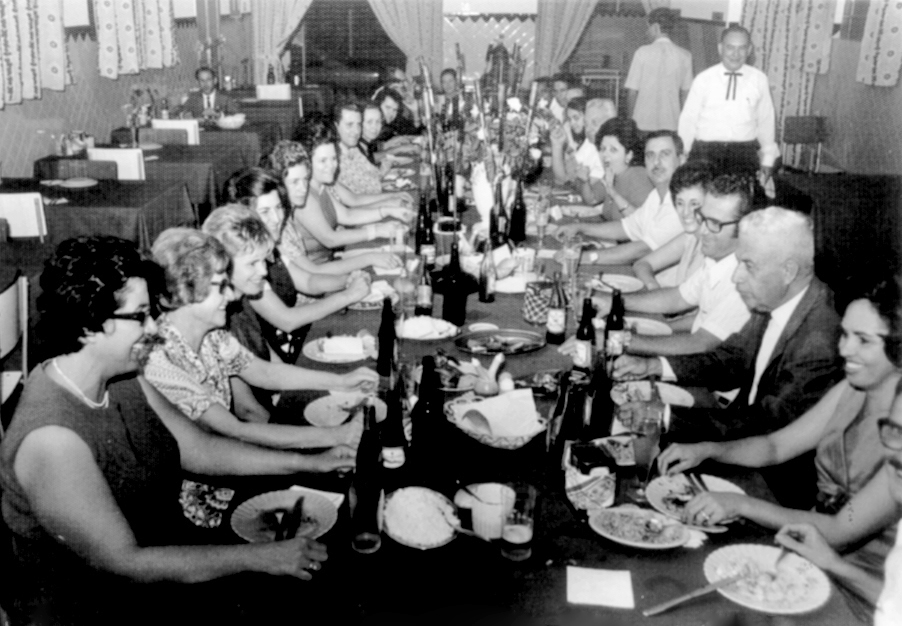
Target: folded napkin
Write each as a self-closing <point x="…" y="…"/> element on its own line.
<point x="511" y="414"/>
<point x="592" y="491"/>
<point x="334" y="498"/>
<point x="600" y="587"/>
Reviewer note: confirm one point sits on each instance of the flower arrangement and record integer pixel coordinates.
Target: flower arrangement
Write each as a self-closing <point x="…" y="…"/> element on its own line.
<point x="145" y="102"/>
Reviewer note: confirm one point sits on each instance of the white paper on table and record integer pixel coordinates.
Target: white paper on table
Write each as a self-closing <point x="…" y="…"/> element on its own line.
<point x="511" y="414"/>
<point x="600" y="587"/>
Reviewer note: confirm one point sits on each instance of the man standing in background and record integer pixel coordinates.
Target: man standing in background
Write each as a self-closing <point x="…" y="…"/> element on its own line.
<point x="660" y="76"/>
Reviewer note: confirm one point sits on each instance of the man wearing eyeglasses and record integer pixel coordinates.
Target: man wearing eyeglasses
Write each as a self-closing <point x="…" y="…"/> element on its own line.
<point x="721" y="311"/>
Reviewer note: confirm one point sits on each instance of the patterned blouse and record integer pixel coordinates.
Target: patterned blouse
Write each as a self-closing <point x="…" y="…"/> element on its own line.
<point x="194" y="382"/>
<point x="357" y="173"/>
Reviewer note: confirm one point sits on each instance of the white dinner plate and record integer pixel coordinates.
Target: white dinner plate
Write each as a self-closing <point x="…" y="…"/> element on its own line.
<point x="332" y="410"/>
<point x="78" y="183"/>
<point x="669" y="494"/>
<point x="645" y="326"/>
<point x="798" y="587"/>
<point x="313" y="350"/>
<point x="637" y="528"/>
<point x="256" y="520"/>
<point x="424" y="328"/>
<point x="626" y="284"/>
<point x="638" y="390"/>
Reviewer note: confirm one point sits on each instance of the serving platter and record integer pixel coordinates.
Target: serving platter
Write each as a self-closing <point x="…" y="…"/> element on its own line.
<point x="256" y="520"/>
<point x="509" y="341"/>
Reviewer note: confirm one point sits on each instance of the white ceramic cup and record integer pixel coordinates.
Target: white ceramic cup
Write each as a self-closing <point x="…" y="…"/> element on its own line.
<point x="491" y="506"/>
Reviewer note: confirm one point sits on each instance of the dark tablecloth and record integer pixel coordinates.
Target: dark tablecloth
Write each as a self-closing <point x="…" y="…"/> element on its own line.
<point x="137" y="211"/>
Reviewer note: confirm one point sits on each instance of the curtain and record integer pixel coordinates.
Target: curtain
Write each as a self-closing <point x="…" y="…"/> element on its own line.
<point x="792" y="40"/>
<point x="33" y="51"/>
<point x="880" y="59"/>
<point x="415" y="26"/>
<point x="559" y="24"/>
<point x="134" y="35"/>
<point x="273" y="23"/>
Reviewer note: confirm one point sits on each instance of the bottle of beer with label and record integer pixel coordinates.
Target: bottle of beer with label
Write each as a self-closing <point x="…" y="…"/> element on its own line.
<point x="615" y="327"/>
<point x="516" y="232"/>
<point x="366" y="488"/>
<point x="271" y="75"/>
<point x="455" y="289"/>
<point x="584" y="360"/>
<point x="487" y="274"/>
<point x="394" y="442"/>
<point x="424" y="289"/>
<point x="501" y="222"/>
<point x="556" y="326"/>
<point x="425" y="236"/>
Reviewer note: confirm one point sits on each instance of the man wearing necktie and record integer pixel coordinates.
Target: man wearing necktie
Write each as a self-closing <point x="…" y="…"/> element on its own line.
<point x="729" y="117"/>
<point x="782" y="361"/>
<point x="208" y="101"/>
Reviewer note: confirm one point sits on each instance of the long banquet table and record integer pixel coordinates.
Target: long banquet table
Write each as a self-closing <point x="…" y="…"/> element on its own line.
<point x="137" y="211"/>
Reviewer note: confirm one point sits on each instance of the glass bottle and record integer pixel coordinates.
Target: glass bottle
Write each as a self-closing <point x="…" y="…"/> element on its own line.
<point x="501" y="221"/>
<point x="454" y="289"/>
<point x="517" y="230"/>
<point x="584" y="359"/>
<point x="556" y="325"/>
<point x="271" y="75"/>
<point x="424" y="289"/>
<point x="387" y="361"/>
<point x="615" y="327"/>
<point x="425" y="235"/>
<point x="487" y="274"/>
<point x="366" y="488"/>
<point x="391" y="434"/>
<point x="427" y="421"/>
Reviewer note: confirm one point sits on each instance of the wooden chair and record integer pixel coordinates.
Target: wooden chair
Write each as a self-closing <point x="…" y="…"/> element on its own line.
<point x="164" y="136"/>
<point x="13" y="332"/>
<point x="809" y="130"/>
<point x="25" y="214"/>
<point x="82" y="168"/>
<point x="129" y="161"/>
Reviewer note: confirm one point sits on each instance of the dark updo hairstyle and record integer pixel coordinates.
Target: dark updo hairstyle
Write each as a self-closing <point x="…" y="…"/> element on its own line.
<point x="317" y="130"/>
<point x="624" y="129"/>
<point x="886" y="298"/>
<point x="698" y="173"/>
<point x="577" y="104"/>
<point x="82" y="286"/>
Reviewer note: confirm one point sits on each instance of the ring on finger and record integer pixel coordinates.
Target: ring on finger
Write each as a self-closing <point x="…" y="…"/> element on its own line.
<point x="313" y="566"/>
<point x="703" y="516"/>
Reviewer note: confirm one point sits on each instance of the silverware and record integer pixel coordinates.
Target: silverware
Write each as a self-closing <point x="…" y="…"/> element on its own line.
<point x="291" y="521"/>
<point x="696" y="482"/>
<point x="723" y="582"/>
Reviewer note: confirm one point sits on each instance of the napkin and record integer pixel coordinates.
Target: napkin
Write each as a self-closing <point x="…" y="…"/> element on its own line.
<point x="600" y="587"/>
<point x="511" y="414"/>
<point x="334" y="498"/>
<point x="341" y="346"/>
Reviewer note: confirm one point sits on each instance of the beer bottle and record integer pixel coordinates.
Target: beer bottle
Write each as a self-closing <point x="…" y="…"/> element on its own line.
<point x="615" y="327"/>
<point x="387" y="361"/>
<point x="366" y="488"/>
<point x="585" y="339"/>
<point x="455" y="289"/>
<point x="556" y="325"/>
<point x="424" y="289"/>
<point x="516" y="232"/>
<point x="425" y="234"/>
<point x="391" y="434"/>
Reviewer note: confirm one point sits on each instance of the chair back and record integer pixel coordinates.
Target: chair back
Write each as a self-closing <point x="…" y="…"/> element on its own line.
<point x="13" y="331"/>
<point x="165" y="136"/>
<point x="82" y="168"/>
<point x="129" y="161"/>
<point x="191" y="127"/>
<point x="24" y="212"/>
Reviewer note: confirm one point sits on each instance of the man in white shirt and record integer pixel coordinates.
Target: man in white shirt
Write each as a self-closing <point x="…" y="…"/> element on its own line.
<point x="721" y="311"/>
<point x="560" y="84"/>
<point x="208" y="102"/>
<point x="729" y="117"/>
<point x="659" y="77"/>
<point x="654" y="223"/>
<point x="782" y="361"/>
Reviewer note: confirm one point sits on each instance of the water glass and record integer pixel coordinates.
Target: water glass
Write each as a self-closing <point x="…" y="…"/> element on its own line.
<point x="645" y="422"/>
<point x="519" y="524"/>
<point x="542" y="218"/>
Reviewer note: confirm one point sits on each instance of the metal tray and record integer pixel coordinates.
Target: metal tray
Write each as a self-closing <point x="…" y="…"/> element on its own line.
<point x="510" y="341"/>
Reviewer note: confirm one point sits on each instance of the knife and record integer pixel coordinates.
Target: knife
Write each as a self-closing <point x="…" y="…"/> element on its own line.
<point x="291" y="521"/>
<point x="723" y="582"/>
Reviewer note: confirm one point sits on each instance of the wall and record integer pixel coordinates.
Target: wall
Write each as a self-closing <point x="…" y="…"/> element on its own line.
<point x="94" y="104"/>
<point x="476" y="34"/>
<point x="864" y="122"/>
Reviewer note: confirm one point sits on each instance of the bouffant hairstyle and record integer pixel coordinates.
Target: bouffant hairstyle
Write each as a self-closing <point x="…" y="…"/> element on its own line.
<point x="189" y="259"/>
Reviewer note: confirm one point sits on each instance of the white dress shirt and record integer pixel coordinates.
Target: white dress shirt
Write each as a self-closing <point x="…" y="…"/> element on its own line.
<point x="556" y="109"/>
<point x="778" y="319"/>
<point x="655" y="222"/>
<point x="721" y="310"/>
<point x="209" y="100"/>
<point x="585" y="154"/>
<point x="889" y="605"/>
<point x="659" y="72"/>
<point x="746" y="115"/>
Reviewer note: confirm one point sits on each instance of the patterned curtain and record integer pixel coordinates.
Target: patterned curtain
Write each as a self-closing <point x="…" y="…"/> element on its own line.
<point x="134" y="35"/>
<point x="880" y="59"/>
<point x="32" y="49"/>
<point x="559" y="25"/>
<point x="792" y="41"/>
<point x="274" y="22"/>
<point x="416" y="27"/>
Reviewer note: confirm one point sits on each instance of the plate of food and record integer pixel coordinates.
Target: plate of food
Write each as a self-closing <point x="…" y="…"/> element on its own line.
<point x="335" y="409"/>
<point x="543" y="383"/>
<point x="669" y="494"/>
<point x="639" y="528"/>
<point x="341" y="349"/>
<point x="424" y="328"/>
<point x="418" y="517"/>
<point x="374" y="299"/>
<point x="796" y="586"/>
<point x="453" y="375"/>
<point x="640" y="390"/>
<point x="626" y="284"/>
<point x="620" y="447"/>
<point x="507" y="340"/>
<point x="257" y="520"/>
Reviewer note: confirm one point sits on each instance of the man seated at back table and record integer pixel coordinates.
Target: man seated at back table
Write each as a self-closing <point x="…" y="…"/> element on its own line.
<point x="710" y="288"/>
<point x="209" y="101"/>
<point x="782" y="361"/>
<point x="654" y="223"/>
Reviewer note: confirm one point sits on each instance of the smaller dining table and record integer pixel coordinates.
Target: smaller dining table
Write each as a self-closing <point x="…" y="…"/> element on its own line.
<point x="134" y="210"/>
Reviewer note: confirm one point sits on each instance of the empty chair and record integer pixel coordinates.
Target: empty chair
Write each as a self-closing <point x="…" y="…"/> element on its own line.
<point x="129" y="161"/>
<point x="191" y="127"/>
<point x="164" y="136"/>
<point x="81" y="168"/>
<point x="810" y="130"/>
<point x="13" y="332"/>
<point x="24" y="212"/>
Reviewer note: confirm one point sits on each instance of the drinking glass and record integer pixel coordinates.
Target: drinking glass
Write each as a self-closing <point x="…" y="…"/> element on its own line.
<point x="645" y="420"/>
<point x="542" y="218"/>
<point x="519" y="523"/>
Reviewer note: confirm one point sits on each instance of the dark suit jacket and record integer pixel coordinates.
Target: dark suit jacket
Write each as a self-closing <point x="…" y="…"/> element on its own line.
<point x="804" y="365"/>
<point x="194" y="105"/>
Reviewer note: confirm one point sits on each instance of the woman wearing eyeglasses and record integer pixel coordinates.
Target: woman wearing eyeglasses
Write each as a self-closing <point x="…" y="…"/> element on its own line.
<point x="842" y="432"/>
<point x="808" y="541"/>
<point x="193" y="365"/>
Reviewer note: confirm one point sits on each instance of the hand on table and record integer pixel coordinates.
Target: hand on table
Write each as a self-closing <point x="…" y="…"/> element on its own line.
<point x="362" y="379"/>
<point x="401" y="214"/>
<point x="384" y="260"/>
<point x="628" y="367"/>
<point x="712" y="508"/>
<point x="404" y="197"/>
<point x="682" y="457"/>
<point x="567" y="231"/>
<point x="358" y="286"/>
<point x="388" y="230"/>
<point x="341" y="459"/>
<point x="299" y="557"/>
<point x="807" y="541"/>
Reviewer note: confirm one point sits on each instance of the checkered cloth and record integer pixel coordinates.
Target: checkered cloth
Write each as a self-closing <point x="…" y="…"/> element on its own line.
<point x="535" y="302"/>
